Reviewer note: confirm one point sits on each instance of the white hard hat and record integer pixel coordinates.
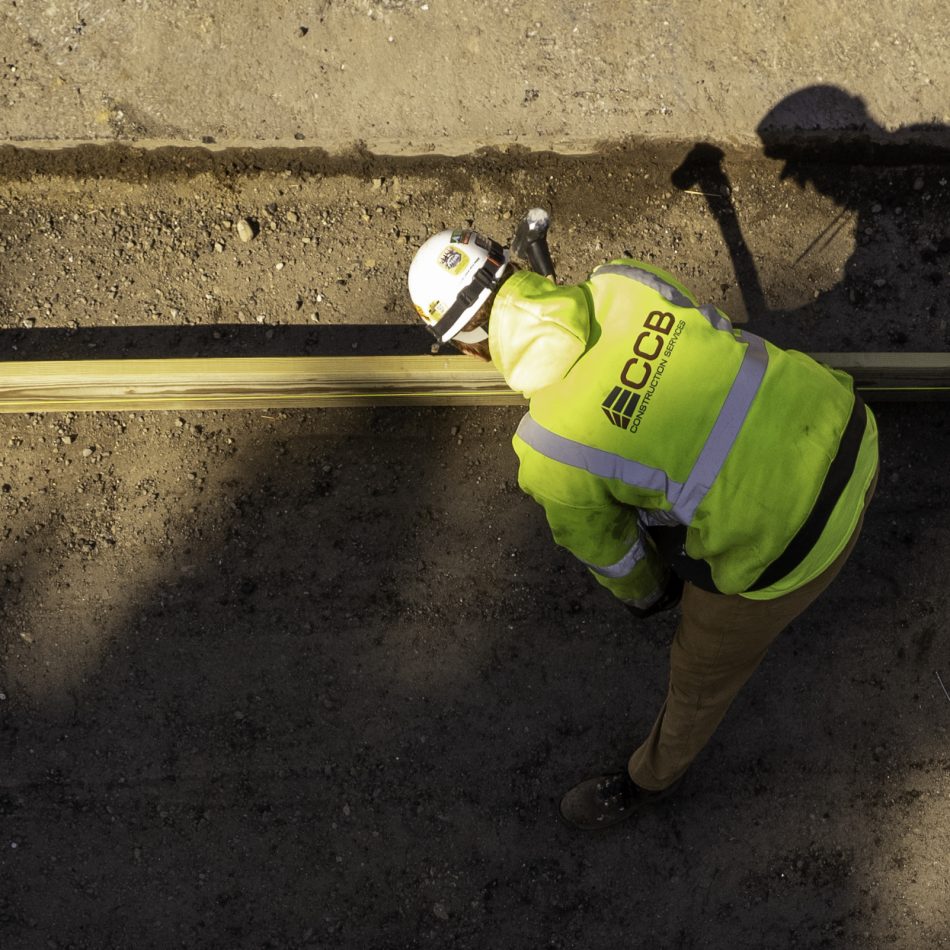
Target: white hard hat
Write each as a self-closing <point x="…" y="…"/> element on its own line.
<point x="450" y="278"/>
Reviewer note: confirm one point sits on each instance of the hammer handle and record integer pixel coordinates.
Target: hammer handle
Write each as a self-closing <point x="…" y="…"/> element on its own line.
<point x="539" y="257"/>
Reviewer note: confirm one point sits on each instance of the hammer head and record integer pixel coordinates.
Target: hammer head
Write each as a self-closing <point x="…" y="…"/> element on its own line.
<point x="532" y="228"/>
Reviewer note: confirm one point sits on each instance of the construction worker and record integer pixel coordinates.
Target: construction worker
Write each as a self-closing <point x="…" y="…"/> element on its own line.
<point x="680" y="459"/>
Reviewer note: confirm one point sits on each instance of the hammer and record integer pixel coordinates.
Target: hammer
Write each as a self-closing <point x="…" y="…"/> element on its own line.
<point x="531" y="242"/>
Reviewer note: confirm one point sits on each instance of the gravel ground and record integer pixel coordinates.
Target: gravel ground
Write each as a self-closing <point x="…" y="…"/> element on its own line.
<point x="317" y="679"/>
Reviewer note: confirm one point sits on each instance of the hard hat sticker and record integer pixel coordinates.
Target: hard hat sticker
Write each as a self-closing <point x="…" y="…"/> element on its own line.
<point x="453" y="260"/>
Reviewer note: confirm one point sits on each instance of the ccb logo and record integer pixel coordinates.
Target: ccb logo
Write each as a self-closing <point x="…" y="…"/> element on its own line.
<point x="619" y="406"/>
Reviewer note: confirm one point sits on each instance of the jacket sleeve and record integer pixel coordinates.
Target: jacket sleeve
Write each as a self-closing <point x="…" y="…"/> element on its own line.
<point x="611" y="542"/>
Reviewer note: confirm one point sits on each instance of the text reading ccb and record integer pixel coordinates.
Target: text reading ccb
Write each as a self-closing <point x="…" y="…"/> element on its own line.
<point x="647" y="347"/>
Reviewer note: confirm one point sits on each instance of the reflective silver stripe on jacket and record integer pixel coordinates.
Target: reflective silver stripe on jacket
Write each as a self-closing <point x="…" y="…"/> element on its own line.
<point x="625" y="565"/>
<point x="653" y="281"/>
<point x="596" y="461"/>
<point x="685" y="497"/>
<point x="726" y="428"/>
<point x="645" y="602"/>
<point x="719" y="320"/>
<point x="655" y="517"/>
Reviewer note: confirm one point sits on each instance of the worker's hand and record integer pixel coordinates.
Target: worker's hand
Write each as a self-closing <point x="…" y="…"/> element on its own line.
<point x="671" y="596"/>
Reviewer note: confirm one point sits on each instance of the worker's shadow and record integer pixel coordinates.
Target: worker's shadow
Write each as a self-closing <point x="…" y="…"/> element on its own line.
<point x="893" y="199"/>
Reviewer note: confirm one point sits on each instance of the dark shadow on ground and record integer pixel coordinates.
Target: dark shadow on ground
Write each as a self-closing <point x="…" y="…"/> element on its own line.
<point x="344" y="716"/>
<point x="892" y="293"/>
<point x="220" y="340"/>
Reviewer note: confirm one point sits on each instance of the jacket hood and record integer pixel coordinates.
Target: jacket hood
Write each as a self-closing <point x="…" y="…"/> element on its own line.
<point x="537" y="331"/>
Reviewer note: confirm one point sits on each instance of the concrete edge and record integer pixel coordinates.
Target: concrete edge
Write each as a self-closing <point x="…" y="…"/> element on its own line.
<point x="136" y="158"/>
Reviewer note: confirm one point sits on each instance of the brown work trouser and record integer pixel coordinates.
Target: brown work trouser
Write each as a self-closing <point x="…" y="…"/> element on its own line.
<point x="720" y="641"/>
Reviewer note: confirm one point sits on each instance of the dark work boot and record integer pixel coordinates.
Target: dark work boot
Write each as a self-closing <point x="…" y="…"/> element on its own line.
<point x="605" y="800"/>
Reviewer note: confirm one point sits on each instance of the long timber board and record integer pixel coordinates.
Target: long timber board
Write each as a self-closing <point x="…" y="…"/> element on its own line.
<point x="321" y="381"/>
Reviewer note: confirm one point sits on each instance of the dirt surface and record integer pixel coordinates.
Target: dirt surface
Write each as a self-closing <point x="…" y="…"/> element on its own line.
<point x="318" y="679"/>
<point x="854" y="260"/>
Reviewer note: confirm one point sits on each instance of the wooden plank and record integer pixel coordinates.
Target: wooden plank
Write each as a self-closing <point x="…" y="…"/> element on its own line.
<point x="261" y="382"/>
<point x="895" y="376"/>
<point x="250" y="382"/>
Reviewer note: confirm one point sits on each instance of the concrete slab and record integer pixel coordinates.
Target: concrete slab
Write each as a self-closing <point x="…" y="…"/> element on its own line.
<point x="408" y="75"/>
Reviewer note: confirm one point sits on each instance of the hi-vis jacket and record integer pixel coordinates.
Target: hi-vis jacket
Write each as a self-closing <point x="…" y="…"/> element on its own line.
<point x="658" y="436"/>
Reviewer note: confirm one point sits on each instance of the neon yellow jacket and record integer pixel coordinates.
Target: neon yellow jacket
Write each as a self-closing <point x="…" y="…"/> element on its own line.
<point x="653" y="424"/>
